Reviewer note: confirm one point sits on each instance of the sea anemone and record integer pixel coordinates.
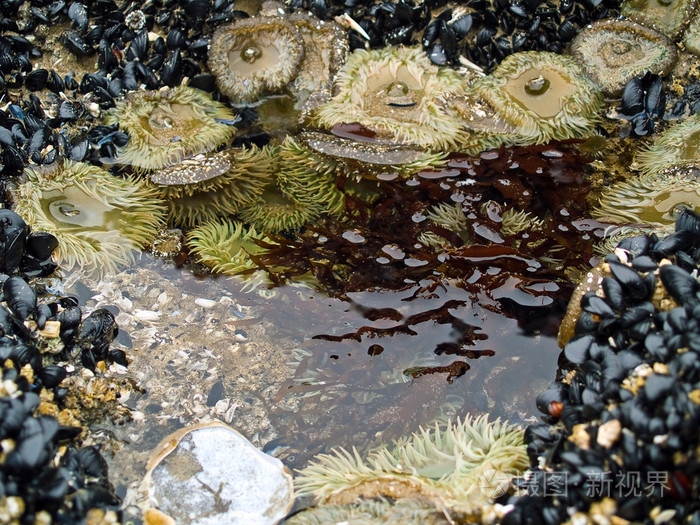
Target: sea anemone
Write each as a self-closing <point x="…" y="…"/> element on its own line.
<point x="225" y="246"/>
<point x="667" y="16"/>
<point x="170" y="125"/>
<point x="691" y="39"/>
<point x="305" y="183"/>
<point x="325" y="48"/>
<point x="283" y="206"/>
<point x="255" y="56"/>
<point x="328" y="152"/>
<point x="399" y="94"/>
<point x="544" y="96"/>
<point x="100" y="220"/>
<point x="651" y="198"/>
<point x="679" y="145"/>
<point x="214" y="185"/>
<point x="614" y="51"/>
<point x="450" y="217"/>
<point x="460" y="466"/>
<point x="380" y="510"/>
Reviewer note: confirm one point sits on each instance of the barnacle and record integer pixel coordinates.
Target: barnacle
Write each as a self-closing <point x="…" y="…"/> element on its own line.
<point x="324" y="152"/>
<point x="650" y="198"/>
<point x="459" y="465"/>
<point x="380" y="510"/>
<point x="99" y="220"/>
<point x="668" y="16"/>
<point x="679" y="145"/>
<point x="225" y="246"/>
<point x="255" y="56"/>
<point x="169" y="125"/>
<point x="399" y="94"/>
<point x="544" y="96"/>
<point x="214" y="185"/>
<point x="613" y="51"/>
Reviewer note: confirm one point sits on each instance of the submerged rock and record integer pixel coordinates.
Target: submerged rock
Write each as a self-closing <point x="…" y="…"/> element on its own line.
<point x="209" y="474"/>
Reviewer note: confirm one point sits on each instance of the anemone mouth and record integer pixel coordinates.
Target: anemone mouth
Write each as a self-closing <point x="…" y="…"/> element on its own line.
<point x="398" y="93"/>
<point x="614" y="51"/>
<point x="667" y="16"/>
<point x="652" y="199"/>
<point x="544" y="96"/>
<point x="167" y="126"/>
<point x="100" y="220"/>
<point x="255" y="56"/>
<point x="679" y="146"/>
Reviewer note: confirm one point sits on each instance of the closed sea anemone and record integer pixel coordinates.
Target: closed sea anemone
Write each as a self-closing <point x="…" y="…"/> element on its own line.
<point x="170" y="125"/>
<point x="679" y="145"/>
<point x="460" y="466"/>
<point x="213" y="185"/>
<point x="225" y="246"/>
<point x="100" y="220"/>
<point x="366" y="159"/>
<point x="544" y="96"/>
<point x="650" y="198"/>
<point x="399" y="94"/>
<point x="614" y="51"/>
<point x="254" y="57"/>
<point x="667" y="16"/>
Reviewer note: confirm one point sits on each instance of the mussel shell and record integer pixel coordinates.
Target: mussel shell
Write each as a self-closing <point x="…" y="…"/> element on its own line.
<point x="13" y="236"/>
<point x="20" y="298"/>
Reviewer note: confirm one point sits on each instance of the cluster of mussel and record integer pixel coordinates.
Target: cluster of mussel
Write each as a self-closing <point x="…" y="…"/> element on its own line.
<point x="619" y="437"/>
<point x="45" y="477"/>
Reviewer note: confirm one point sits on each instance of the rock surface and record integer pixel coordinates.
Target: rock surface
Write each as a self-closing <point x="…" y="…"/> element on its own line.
<point x="210" y="474"/>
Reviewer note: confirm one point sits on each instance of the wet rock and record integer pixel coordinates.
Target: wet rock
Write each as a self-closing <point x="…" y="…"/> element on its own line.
<point x="208" y="474"/>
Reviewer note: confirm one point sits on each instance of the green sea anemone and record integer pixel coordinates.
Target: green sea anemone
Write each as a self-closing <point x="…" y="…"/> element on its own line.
<point x="255" y="56"/>
<point x="544" y="96"/>
<point x="459" y="466"/>
<point x="450" y="217"/>
<point x="225" y="246"/>
<point x="399" y="94"/>
<point x="667" y="16"/>
<point x="168" y="126"/>
<point x="613" y="51"/>
<point x="100" y="220"/>
<point x="691" y="39"/>
<point x="305" y="183"/>
<point x="650" y="198"/>
<point x="679" y="145"/>
<point x="328" y="152"/>
<point x="214" y="185"/>
<point x="367" y="512"/>
<point x="284" y="205"/>
<point x="325" y="48"/>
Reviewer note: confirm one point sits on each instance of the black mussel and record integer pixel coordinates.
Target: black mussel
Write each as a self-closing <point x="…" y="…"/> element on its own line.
<point x="78" y="15"/>
<point x="576" y="350"/>
<point x="556" y="393"/>
<point x="614" y="294"/>
<point x="50" y="376"/>
<point x="20" y="298"/>
<point x="176" y="39"/>
<point x="92" y="463"/>
<point x="6" y="138"/>
<point x="79" y="151"/>
<point x="205" y="82"/>
<point x="68" y="112"/>
<point x="679" y="283"/>
<point x="680" y="240"/>
<point x="91" y="80"/>
<point x="634" y="286"/>
<point x="13" y="236"/>
<point x="70" y="321"/>
<point x="171" y="75"/>
<point x="36" y="80"/>
<point x="55" y="83"/>
<point x="97" y="330"/>
<point x="595" y="305"/>
<point x="43" y="312"/>
<point x="76" y="44"/>
<point x="118" y="356"/>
